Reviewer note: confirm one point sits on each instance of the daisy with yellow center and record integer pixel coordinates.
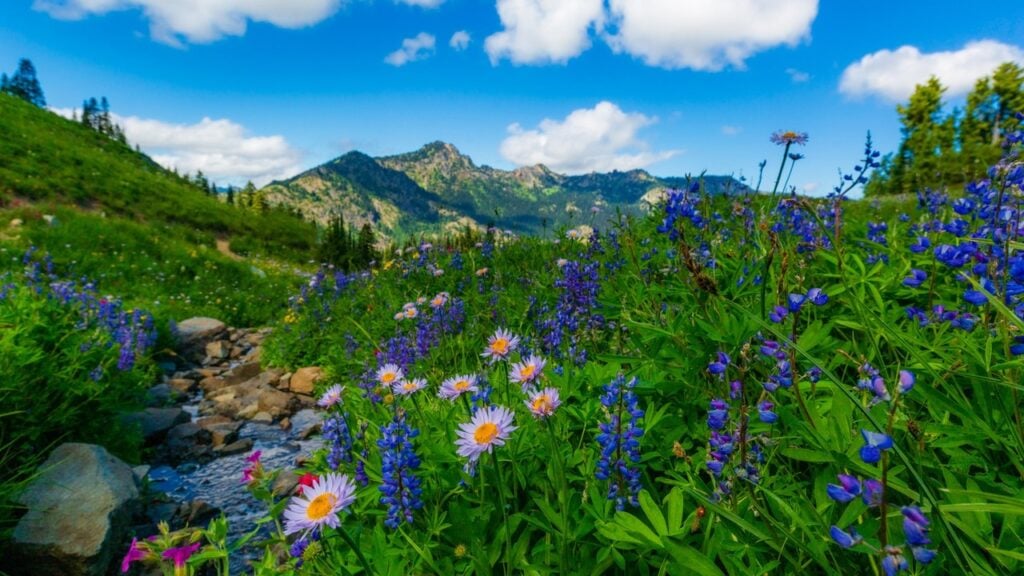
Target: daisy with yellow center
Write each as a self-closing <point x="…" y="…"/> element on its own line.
<point x="456" y="386"/>
<point x="482" y="272"/>
<point x="500" y="345"/>
<point x="409" y="386"/>
<point x="543" y="403"/>
<point x="411" y="312"/>
<point x="388" y="374"/>
<point x="490" y="427"/>
<point x="527" y="372"/>
<point x="331" y="396"/>
<point x="439" y="300"/>
<point x="319" y="505"/>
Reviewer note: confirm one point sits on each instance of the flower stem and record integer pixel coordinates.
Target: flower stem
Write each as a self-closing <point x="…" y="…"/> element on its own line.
<point x="504" y="514"/>
<point x="359" y="553"/>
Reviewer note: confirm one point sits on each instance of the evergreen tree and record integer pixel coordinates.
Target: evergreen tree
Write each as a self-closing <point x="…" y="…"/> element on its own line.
<point x="335" y="245"/>
<point x="365" y="249"/>
<point x="4" y="83"/>
<point x="916" y="163"/>
<point x="231" y="195"/>
<point x="25" y="85"/>
<point x="103" y="123"/>
<point x="248" y="195"/>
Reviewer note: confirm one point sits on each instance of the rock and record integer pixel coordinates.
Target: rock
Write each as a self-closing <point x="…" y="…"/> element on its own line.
<point x="195" y="333"/>
<point x="285" y="424"/>
<point x="155" y="422"/>
<point x="284" y="382"/>
<point x="286" y="483"/>
<point x="236" y="447"/>
<point x="304" y="380"/>
<point x="208" y="372"/>
<point x="305" y="423"/>
<point x="187" y="441"/>
<point x="140" y="472"/>
<point x="248" y="411"/>
<point x="236" y="352"/>
<point x="242" y="372"/>
<point x="218" y="349"/>
<point x="212" y="384"/>
<point x="162" y="395"/>
<point x="275" y="402"/>
<point x="255" y="339"/>
<point x="79" y="511"/>
<point x="183" y="385"/>
<point x="263" y="417"/>
<point x="223" y="430"/>
<point x="196" y="513"/>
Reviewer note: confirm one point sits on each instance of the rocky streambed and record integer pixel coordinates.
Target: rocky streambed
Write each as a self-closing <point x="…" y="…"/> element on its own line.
<point x="211" y="411"/>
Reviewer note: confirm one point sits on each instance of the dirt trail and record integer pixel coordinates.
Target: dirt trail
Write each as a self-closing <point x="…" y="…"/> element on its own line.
<point x="224" y="247"/>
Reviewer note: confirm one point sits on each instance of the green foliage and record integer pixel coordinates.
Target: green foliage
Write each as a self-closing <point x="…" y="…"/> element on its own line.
<point x="50" y="392"/>
<point x="46" y="158"/>
<point x="24" y="84"/>
<point x="941" y="151"/>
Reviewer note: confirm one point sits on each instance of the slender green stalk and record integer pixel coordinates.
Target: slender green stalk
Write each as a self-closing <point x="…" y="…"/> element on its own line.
<point x="504" y="514"/>
<point x="359" y="553"/>
<point x="563" y="498"/>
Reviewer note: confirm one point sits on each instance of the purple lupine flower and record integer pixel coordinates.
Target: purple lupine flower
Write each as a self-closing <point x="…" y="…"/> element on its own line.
<point x="874" y="444"/>
<point x="843" y="538"/>
<point x="400" y="487"/>
<point x="916" y="278"/>
<point x="873" y="491"/>
<point x="849" y="487"/>
<point x="620" y="442"/>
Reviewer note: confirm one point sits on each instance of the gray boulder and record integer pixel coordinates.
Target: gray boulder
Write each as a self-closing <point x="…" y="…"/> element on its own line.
<point x="79" y="511"/>
<point x="195" y="333"/>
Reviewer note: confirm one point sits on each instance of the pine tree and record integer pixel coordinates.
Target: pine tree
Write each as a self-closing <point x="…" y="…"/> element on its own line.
<point x="916" y="164"/>
<point x="231" y="195"/>
<point x="103" y="123"/>
<point x="248" y="195"/>
<point x="335" y="245"/>
<point x="25" y="85"/>
<point x="365" y="249"/>
<point x="4" y="83"/>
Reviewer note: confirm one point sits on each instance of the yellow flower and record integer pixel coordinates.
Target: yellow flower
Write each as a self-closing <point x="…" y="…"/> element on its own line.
<point x="460" y="551"/>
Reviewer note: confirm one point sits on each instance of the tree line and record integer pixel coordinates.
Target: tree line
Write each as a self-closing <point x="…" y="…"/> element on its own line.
<point x="945" y="150"/>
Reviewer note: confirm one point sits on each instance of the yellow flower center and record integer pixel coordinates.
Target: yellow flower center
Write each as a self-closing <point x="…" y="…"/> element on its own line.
<point x="527" y="371"/>
<point x="410" y="313"/>
<point x="387" y="377"/>
<point x="485" y="433"/>
<point x="541" y="403"/>
<point x="409" y="386"/>
<point x="461" y="385"/>
<point x="499" y="346"/>
<point x="321" y="506"/>
<point x="437" y="302"/>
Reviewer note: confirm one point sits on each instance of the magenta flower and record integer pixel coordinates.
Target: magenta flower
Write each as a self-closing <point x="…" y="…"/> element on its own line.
<point x="181" y="554"/>
<point x="134" y="554"/>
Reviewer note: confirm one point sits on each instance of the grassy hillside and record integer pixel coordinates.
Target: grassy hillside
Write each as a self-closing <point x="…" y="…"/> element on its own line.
<point x="45" y="158"/>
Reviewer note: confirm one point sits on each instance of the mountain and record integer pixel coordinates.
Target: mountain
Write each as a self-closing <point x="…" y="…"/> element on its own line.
<point x="438" y="187"/>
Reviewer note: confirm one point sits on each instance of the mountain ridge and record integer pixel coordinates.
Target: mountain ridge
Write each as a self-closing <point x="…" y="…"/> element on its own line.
<point x="437" y="187"/>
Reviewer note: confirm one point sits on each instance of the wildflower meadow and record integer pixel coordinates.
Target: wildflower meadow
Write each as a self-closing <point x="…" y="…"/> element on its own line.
<point x="734" y="384"/>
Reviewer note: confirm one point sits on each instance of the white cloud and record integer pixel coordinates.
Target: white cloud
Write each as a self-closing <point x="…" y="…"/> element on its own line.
<point x="222" y="149"/>
<point x="797" y="76"/>
<point x="544" y="31"/>
<point x="422" y="3"/>
<point x="460" y="40"/>
<point x="706" y="34"/>
<point x="893" y="74"/>
<point x="417" y="48"/>
<point x="731" y="130"/>
<point x="595" y="139"/>
<point x="199" y="20"/>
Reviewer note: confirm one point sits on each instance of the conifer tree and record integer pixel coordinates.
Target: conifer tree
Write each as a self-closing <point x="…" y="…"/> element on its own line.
<point x="335" y="245"/>
<point x="365" y="250"/>
<point x="25" y="85"/>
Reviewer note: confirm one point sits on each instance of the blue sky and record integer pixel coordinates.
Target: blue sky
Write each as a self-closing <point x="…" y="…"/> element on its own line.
<point x="673" y="86"/>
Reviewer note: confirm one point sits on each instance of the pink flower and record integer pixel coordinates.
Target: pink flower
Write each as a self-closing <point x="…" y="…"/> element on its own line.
<point x="134" y="554"/>
<point x="181" y="554"/>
